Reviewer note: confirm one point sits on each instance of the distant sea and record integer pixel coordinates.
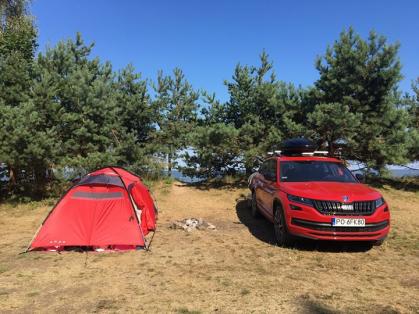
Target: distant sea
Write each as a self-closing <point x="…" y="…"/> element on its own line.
<point x="395" y="170"/>
<point x="404" y="173"/>
<point x="182" y="178"/>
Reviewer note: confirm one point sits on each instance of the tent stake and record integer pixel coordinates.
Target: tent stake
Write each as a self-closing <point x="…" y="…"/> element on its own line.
<point x="151" y="240"/>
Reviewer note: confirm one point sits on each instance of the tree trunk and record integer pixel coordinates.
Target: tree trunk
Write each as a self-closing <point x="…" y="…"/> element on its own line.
<point x="40" y="181"/>
<point x="169" y="164"/>
<point x="331" y="148"/>
<point x="12" y="178"/>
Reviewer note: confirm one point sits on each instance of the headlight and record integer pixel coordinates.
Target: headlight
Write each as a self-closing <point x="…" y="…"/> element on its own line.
<point x="379" y="202"/>
<point x="299" y="199"/>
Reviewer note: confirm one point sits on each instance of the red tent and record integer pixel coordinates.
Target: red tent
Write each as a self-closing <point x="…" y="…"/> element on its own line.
<point x="107" y="209"/>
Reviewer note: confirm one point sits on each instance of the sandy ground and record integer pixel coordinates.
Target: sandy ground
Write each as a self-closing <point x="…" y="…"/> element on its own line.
<point x="235" y="268"/>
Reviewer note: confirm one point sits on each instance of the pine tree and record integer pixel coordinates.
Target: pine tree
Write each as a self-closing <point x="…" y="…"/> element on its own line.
<point x="413" y="110"/>
<point x="18" y="124"/>
<point x="136" y="116"/>
<point x="84" y="106"/>
<point x="263" y="109"/>
<point x="215" y="151"/>
<point x="176" y="108"/>
<point x="361" y="75"/>
<point x="331" y="123"/>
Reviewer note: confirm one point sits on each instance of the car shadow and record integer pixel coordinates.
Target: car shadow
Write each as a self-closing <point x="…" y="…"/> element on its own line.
<point x="262" y="229"/>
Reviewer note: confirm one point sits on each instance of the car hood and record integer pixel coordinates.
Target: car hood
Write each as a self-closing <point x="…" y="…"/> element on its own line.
<point x="333" y="191"/>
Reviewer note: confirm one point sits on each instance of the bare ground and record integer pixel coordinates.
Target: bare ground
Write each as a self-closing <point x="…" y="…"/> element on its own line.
<point x="233" y="269"/>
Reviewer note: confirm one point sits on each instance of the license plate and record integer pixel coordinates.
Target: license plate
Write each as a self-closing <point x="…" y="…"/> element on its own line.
<point x="348" y="222"/>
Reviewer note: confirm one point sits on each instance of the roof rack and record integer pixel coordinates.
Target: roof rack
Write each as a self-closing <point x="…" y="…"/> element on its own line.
<point x="316" y="153"/>
<point x="276" y="153"/>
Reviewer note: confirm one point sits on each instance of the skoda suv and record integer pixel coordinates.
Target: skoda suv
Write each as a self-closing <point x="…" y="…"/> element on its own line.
<point x="311" y="195"/>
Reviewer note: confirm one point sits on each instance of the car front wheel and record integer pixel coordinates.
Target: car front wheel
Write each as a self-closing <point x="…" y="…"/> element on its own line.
<point x="282" y="237"/>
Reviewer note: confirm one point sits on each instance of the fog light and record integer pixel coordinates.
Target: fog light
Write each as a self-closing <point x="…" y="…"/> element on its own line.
<point x="295" y="207"/>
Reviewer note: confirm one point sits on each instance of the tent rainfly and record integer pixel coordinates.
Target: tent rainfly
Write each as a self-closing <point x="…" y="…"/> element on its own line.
<point x="108" y="209"/>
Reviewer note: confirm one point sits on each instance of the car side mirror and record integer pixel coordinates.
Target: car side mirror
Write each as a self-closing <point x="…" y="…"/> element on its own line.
<point x="360" y="177"/>
<point x="270" y="177"/>
<point x="75" y="180"/>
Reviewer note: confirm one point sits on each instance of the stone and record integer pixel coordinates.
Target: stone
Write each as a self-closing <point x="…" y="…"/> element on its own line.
<point x="190" y="224"/>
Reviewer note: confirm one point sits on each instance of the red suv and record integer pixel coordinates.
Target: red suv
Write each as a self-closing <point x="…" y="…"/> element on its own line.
<point x="317" y="197"/>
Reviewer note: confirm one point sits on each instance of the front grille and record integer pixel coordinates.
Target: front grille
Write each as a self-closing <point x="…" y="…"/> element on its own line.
<point x="362" y="208"/>
<point x="324" y="226"/>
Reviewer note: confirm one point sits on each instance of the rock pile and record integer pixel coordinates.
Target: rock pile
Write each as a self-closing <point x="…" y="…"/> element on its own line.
<point x="190" y="224"/>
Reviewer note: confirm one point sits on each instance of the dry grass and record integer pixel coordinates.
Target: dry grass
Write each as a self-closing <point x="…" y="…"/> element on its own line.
<point x="232" y="269"/>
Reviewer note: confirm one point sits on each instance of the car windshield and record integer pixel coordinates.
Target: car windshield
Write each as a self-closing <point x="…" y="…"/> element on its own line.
<point x="303" y="171"/>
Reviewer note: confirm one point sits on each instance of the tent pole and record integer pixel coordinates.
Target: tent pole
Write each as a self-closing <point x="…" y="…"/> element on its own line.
<point x="156" y="212"/>
<point x="132" y="205"/>
<point x="34" y="236"/>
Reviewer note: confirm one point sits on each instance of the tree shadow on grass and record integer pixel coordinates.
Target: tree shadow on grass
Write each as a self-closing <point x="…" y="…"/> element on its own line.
<point x="309" y="305"/>
<point x="217" y="184"/>
<point x="262" y="229"/>
<point x="410" y="184"/>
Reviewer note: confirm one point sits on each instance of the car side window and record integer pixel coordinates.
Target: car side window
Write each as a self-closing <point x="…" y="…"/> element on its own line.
<point x="270" y="170"/>
<point x="274" y="165"/>
<point x="262" y="169"/>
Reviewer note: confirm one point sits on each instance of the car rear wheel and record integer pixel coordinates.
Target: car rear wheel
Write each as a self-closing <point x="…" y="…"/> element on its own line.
<point x="254" y="208"/>
<point x="282" y="237"/>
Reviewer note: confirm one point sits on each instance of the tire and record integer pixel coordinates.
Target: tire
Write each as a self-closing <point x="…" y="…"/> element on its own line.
<point x="254" y="207"/>
<point x="282" y="236"/>
<point x="378" y="242"/>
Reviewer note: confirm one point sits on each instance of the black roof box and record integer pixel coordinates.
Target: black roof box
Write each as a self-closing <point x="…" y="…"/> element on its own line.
<point x="297" y="146"/>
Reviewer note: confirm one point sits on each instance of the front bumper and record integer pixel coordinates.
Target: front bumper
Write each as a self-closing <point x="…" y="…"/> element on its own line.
<point x="310" y="223"/>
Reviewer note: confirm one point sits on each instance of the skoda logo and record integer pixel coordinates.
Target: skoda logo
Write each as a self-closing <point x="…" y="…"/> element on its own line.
<point x="345" y="198"/>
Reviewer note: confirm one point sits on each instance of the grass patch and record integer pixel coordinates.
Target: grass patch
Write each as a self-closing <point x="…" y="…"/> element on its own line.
<point x="398" y="240"/>
<point x="168" y="180"/>
<point x="158" y="182"/>
<point x="20" y="209"/>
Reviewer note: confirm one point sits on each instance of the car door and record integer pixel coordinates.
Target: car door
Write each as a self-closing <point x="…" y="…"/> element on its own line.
<point x="268" y="186"/>
<point x="259" y="183"/>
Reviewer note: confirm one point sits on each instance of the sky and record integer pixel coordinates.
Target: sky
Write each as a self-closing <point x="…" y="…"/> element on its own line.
<point x="206" y="39"/>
